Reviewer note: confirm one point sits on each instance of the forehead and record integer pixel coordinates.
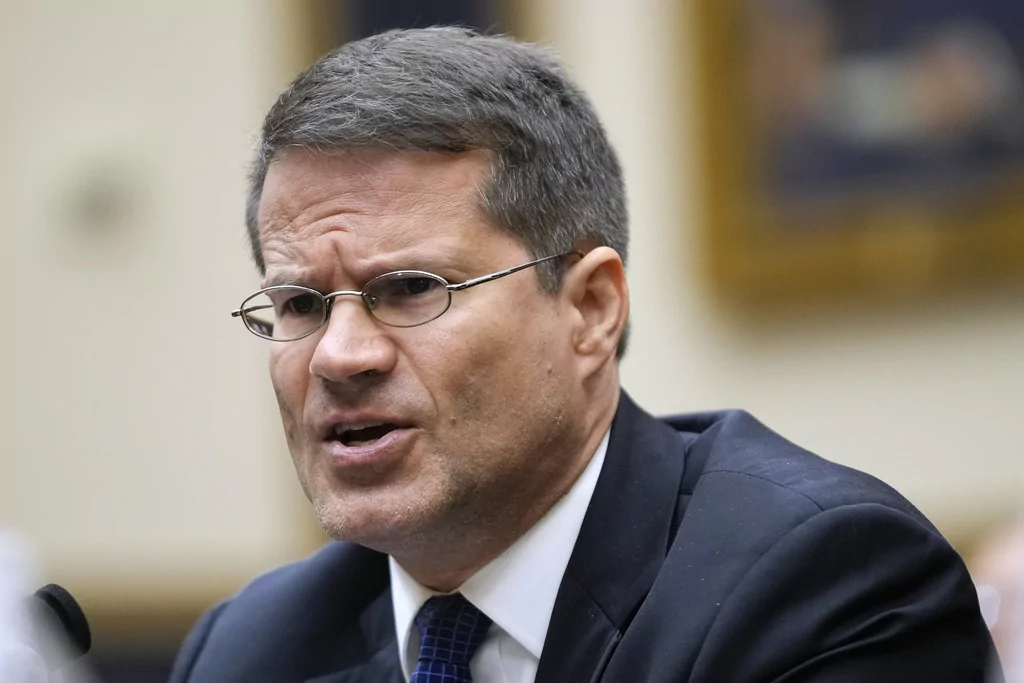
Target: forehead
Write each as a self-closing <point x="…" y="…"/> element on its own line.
<point x="368" y="193"/>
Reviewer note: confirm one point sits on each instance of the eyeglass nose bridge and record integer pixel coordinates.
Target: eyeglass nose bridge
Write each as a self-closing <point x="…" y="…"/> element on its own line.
<point x="364" y="298"/>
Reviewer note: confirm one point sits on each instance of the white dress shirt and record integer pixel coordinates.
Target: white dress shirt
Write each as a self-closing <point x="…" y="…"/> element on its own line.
<point x="516" y="590"/>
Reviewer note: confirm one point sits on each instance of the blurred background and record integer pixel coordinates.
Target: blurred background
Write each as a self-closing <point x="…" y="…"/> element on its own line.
<point x="828" y="230"/>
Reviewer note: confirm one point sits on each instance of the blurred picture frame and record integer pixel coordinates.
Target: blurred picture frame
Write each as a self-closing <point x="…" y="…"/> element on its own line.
<point x="868" y="150"/>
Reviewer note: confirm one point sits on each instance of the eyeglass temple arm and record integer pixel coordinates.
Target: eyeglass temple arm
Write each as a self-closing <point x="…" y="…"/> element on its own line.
<point x="239" y="311"/>
<point x="502" y="273"/>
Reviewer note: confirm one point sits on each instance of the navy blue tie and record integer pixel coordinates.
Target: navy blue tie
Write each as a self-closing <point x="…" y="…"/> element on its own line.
<point x="451" y="630"/>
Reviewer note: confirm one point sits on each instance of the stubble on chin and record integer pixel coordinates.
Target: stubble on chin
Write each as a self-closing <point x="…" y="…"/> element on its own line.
<point x="374" y="520"/>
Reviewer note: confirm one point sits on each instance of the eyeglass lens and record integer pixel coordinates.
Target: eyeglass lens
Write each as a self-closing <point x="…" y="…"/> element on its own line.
<point x="402" y="299"/>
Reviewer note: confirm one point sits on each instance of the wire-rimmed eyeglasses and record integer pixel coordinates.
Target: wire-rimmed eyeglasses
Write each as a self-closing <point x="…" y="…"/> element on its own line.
<point x="402" y="298"/>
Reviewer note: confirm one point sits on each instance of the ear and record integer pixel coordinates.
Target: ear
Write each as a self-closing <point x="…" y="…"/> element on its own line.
<point x="597" y="291"/>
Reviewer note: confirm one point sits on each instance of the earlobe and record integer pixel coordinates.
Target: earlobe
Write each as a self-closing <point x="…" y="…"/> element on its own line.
<point x="600" y="295"/>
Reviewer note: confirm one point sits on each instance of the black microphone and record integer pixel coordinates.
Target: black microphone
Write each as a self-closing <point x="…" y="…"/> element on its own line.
<point x="62" y="631"/>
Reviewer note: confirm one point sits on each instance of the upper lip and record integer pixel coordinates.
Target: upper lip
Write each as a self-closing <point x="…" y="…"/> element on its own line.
<point x="339" y="422"/>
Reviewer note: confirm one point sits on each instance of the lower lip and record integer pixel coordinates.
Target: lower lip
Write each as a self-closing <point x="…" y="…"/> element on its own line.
<point x="392" y="446"/>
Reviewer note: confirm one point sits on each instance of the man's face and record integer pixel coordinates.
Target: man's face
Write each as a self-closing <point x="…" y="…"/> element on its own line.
<point x="451" y="425"/>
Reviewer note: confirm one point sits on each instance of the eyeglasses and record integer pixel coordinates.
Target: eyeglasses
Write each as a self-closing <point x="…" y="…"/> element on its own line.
<point x="403" y="298"/>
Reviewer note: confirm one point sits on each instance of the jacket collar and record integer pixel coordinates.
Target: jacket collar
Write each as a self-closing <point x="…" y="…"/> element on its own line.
<point x="623" y="542"/>
<point x="378" y="659"/>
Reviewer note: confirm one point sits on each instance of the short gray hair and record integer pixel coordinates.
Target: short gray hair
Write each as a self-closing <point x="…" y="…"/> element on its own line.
<point x="555" y="182"/>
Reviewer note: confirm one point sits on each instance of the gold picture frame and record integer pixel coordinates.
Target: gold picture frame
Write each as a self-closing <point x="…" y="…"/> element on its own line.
<point x="875" y="240"/>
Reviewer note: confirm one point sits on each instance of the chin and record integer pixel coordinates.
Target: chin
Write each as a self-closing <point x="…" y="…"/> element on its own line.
<point x="340" y="523"/>
<point x="373" y="524"/>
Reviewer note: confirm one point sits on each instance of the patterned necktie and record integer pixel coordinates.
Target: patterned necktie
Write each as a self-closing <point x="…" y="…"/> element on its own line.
<point x="451" y="630"/>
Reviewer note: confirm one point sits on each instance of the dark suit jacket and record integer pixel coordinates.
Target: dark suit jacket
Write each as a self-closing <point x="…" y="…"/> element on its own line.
<point x="713" y="551"/>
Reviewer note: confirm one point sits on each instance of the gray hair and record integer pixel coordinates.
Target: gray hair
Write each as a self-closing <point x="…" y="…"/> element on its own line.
<point x="555" y="183"/>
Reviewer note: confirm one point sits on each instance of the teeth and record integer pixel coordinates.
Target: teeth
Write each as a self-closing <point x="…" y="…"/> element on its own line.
<point x="340" y="429"/>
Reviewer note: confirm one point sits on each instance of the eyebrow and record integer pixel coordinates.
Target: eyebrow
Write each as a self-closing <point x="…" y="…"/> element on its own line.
<point x="283" y="278"/>
<point x="429" y="263"/>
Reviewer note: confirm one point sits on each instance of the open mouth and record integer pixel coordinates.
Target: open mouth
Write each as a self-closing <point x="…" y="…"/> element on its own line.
<point x="362" y="436"/>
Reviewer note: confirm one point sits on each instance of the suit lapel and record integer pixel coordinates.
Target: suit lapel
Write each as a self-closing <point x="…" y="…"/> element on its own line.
<point x="622" y="544"/>
<point x="377" y="625"/>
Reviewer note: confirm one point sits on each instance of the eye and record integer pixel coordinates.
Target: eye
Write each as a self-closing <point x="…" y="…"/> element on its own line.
<point x="302" y="304"/>
<point x="405" y="299"/>
<point x="413" y="286"/>
<point x="397" y="287"/>
<point x="296" y="302"/>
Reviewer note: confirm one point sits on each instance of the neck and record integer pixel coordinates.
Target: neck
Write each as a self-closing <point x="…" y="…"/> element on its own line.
<point x="446" y="559"/>
<point x="445" y="572"/>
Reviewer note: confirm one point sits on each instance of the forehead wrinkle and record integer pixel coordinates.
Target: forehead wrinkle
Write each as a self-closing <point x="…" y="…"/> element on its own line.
<point x="396" y="220"/>
<point x="389" y="212"/>
<point x="401" y="245"/>
<point x="300" y="217"/>
<point x="372" y="203"/>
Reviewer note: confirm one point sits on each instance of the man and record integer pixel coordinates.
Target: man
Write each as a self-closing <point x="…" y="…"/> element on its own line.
<point x="440" y="224"/>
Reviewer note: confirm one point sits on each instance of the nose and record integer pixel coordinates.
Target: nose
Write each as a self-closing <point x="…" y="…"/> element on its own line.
<point x="353" y="345"/>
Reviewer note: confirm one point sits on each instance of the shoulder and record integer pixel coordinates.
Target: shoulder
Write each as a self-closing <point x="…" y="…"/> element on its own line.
<point x="282" y="612"/>
<point x="804" y="560"/>
<point x="346" y="572"/>
<point x="751" y="495"/>
<point x="860" y="587"/>
<point x="734" y="449"/>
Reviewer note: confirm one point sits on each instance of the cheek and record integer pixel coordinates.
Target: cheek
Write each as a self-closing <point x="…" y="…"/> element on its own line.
<point x="289" y="375"/>
<point x="291" y="427"/>
<point x="494" y="367"/>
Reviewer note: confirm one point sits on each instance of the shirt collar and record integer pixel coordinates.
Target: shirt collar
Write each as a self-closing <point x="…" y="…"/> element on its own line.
<point x="517" y="589"/>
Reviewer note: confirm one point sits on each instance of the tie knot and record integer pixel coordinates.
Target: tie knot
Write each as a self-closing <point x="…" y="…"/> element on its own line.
<point x="451" y="630"/>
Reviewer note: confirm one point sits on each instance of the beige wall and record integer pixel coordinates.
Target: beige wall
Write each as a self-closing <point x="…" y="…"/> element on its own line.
<point x="146" y="454"/>
<point x="146" y="451"/>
